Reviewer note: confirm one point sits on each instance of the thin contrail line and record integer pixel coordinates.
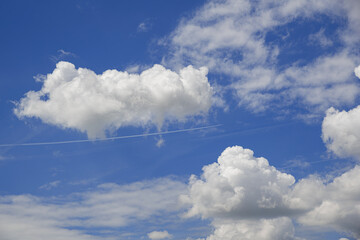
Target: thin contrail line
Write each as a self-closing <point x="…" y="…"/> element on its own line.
<point x="108" y="138"/>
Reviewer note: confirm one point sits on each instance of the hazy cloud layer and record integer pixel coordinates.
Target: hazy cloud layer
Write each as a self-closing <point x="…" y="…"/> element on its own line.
<point x="94" y="103"/>
<point x="109" y="206"/>
<point x="230" y="37"/>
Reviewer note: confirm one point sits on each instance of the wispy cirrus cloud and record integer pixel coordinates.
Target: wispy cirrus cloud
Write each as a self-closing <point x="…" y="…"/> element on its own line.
<point x="62" y="54"/>
<point x="50" y="185"/>
<point x="232" y="38"/>
<point x="109" y="207"/>
<point x="144" y="26"/>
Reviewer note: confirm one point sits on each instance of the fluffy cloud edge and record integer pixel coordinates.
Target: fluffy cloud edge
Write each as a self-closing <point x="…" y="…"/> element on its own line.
<point x="341" y="130"/>
<point x="95" y="103"/>
<point x="246" y="198"/>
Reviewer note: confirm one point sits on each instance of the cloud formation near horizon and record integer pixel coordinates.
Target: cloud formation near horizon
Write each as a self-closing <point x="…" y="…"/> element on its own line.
<point x="95" y="103"/>
<point x="246" y="198"/>
<point x="109" y="206"/>
<point x="243" y="196"/>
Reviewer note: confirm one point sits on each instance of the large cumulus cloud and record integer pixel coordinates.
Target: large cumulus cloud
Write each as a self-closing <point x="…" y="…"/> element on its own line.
<point x="246" y="198"/>
<point x="93" y="103"/>
<point x="239" y="185"/>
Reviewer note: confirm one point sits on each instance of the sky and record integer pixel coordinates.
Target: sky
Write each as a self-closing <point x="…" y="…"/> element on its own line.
<point x="191" y="120"/>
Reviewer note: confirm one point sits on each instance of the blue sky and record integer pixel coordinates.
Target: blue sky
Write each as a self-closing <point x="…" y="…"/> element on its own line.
<point x="265" y="95"/>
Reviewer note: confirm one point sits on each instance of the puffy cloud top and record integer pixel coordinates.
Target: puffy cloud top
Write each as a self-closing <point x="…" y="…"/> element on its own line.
<point x="238" y="185"/>
<point x="341" y="132"/>
<point x="246" y="198"/>
<point x="93" y="103"/>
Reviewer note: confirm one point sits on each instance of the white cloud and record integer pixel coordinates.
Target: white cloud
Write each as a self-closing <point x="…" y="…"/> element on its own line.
<point x="92" y="103"/>
<point x="230" y="38"/>
<point x="108" y="206"/>
<point x="357" y="71"/>
<point x="326" y="82"/>
<point x="341" y="132"/>
<point x="238" y="185"/>
<point x="264" y="229"/>
<point x="339" y="205"/>
<point x="50" y="185"/>
<point x="159" y="235"/>
<point x="246" y="198"/>
<point x="160" y="142"/>
<point x="144" y="26"/>
<point x="61" y="55"/>
<point x="243" y="196"/>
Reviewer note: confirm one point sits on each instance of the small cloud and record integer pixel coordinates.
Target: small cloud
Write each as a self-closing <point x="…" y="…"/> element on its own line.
<point x="296" y="163"/>
<point x="284" y="37"/>
<point x="160" y="142"/>
<point x="144" y="26"/>
<point x="320" y="38"/>
<point x="61" y="55"/>
<point x="50" y="185"/>
<point x="39" y="78"/>
<point x="5" y="158"/>
<point x="155" y="235"/>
